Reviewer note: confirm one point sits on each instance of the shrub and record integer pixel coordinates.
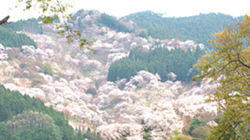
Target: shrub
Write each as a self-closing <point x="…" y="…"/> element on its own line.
<point x="147" y="136"/>
<point x="37" y="81"/>
<point x="47" y="69"/>
<point x="91" y="91"/>
<point x="181" y="137"/>
<point x="200" y="132"/>
<point x="197" y="129"/>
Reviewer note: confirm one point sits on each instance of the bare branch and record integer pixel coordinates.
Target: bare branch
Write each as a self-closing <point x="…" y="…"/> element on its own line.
<point x="4" y="20"/>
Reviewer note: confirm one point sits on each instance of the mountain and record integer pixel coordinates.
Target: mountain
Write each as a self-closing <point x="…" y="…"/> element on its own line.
<point x="198" y="28"/>
<point x="74" y="81"/>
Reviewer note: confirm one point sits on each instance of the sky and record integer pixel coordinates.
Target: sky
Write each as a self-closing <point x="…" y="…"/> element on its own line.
<point x="119" y="8"/>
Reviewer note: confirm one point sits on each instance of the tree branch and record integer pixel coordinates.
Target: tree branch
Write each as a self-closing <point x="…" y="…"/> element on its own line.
<point x="4" y="20"/>
<point x="238" y="56"/>
<point x="243" y="64"/>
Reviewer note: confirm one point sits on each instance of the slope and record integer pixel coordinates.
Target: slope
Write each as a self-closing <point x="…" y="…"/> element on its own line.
<point x="198" y="28"/>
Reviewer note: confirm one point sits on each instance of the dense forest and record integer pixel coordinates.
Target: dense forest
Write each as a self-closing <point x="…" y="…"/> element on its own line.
<point x="198" y="28"/>
<point x="31" y="25"/>
<point x="112" y="23"/>
<point x="26" y="118"/>
<point x="10" y="38"/>
<point x="159" y="60"/>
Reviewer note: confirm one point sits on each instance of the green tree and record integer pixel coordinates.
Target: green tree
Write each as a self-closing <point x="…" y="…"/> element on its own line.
<point x="26" y="118"/>
<point x="47" y="69"/>
<point x="228" y="65"/>
<point x="198" y="28"/>
<point x="159" y="60"/>
<point x="12" y="39"/>
<point x="112" y="23"/>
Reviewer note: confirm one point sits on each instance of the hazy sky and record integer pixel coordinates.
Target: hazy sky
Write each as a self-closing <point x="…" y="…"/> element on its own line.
<point x="120" y="8"/>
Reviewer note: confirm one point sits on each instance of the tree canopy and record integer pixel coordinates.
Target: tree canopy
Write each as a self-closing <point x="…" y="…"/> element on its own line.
<point x="198" y="28"/>
<point x="228" y="65"/>
<point x="159" y="60"/>
<point x="23" y="117"/>
<point x="10" y="38"/>
<point x="31" y="25"/>
<point x="112" y="23"/>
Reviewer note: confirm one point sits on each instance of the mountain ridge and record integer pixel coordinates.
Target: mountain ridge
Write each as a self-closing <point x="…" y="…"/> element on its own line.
<point x="198" y="27"/>
<point x="74" y="81"/>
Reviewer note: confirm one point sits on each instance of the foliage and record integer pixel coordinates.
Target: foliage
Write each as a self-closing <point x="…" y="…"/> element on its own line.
<point x="47" y="69"/>
<point x="143" y="34"/>
<point x="181" y="137"/>
<point x="55" y="12"/>
<point x="30" y="25"/>
<point x="198" y="28"/>
<point x="112" y="104"/>
<point x="30" y="125"/>
<point x="159" y="60"/>
<point x="147" y="136"/>
<point x="22" y="117"/>
<point x="228" y="65"/>
<point x="91" y="91"/>
<point x="112" y="23"/>
<point x="192" y="125"/>
<point x="91" y="136"/>
<point x="37" y="81"/>
<point x="197" y="129"/>
<point x="10" y="38"/>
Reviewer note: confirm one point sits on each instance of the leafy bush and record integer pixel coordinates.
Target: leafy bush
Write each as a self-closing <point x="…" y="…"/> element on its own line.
<point x="147" y="136"/>
<point x="91" y="91"/>
<point x="47" y="69"/>
<point x="200" y="132"/>
<point x="37" y="81"/>
<point x="181" y="137"/>
<point x="197" y="129"/>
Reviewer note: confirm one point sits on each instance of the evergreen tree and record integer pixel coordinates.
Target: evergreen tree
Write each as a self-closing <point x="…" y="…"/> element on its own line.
<point x="159" y="60"/>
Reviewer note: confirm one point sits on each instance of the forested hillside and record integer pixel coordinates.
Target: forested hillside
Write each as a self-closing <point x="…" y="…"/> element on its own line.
<point x="30" y="25"/>
<point x="25" y="118"/>
<point x="160" y="60"/>
<point x="198" y="28"/>
<point x="10" y="38"/>
<point x="112" y="23"/>
<point x="153" y="101"/>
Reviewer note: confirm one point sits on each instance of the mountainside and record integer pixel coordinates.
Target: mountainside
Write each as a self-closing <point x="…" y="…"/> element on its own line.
<point x="30" y="25"/>
<point x="198" y="28"/>
<point x="160" y="61"/>
<point x="75" y="81"/>
<point x="10" y="38"/>
<point x="22" y="117"/>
